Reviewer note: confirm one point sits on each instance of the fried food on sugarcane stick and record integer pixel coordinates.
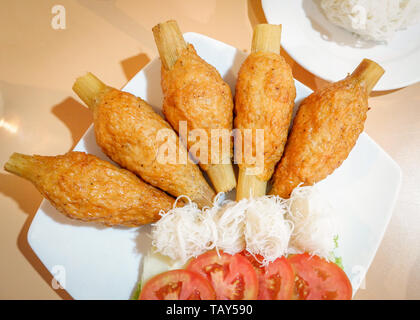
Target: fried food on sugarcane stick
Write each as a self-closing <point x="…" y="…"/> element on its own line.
<point x="264" y="100"/>
<point x="325" y="129"/>
<point x="195" y="92"/>
<point x="84" y="187"/>
<point x="140" y="140"/>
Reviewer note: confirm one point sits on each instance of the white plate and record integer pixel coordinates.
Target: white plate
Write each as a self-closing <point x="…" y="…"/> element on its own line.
<point x="105" y="263"/>
<point x="331" y="52"/>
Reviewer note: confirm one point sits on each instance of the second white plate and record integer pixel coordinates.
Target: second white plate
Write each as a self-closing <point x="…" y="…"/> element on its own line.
<point x="331" y="52"/>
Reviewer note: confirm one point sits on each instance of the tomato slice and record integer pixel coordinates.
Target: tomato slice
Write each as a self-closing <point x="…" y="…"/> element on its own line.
<point x="319" y="279"/>
<point x="276" y="280"/>
<point x="232" y="276"/>
<point x="177" y="285"/>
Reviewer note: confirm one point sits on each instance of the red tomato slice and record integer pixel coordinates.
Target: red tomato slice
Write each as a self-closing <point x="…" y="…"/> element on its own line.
<point x="232" y="277"/>
<point x="319" y="279"/>
<point x="276" y="280"/>
<point x="177" y="285"/>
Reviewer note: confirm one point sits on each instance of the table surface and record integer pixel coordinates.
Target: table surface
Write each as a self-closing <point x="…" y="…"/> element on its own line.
<point x="40" y="114"/>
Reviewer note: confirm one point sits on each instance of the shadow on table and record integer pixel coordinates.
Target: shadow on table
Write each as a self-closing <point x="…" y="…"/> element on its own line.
<point x="132" y="65"/>
<point x="109" y="11"/>
<point x="77" y="119"/>
<point x="256" y="13"/>
<point x="28" y="199"/>
<point x="75" y="116"/>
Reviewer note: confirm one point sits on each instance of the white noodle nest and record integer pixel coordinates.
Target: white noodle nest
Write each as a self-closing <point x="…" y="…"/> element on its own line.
<point x="315" y="225"/>
<point x="268" y="226"/>
<point x="267" y="232"/>
<point x="372" y="19"/>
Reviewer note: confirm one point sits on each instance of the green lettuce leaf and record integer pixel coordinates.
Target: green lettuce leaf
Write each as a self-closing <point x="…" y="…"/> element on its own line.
<point x="337" y="260"/>
<point x="136" y="293"/>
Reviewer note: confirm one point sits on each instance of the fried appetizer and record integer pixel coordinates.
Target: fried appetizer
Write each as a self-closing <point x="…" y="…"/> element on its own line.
<point x="84" y="187"/>
<point x="194" y="92"/>
<point x="140" y="140"/>
<point x="325" y="129"/>
<point x="264" y="100"/>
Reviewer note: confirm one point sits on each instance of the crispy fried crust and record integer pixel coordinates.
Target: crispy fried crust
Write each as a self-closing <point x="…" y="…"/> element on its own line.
<point x="325" y="129"/>
<point x="83" y="187"/>
<point x="265" y="94"/>
<point x="195" y="92"/>
<point x="127" y="129"/>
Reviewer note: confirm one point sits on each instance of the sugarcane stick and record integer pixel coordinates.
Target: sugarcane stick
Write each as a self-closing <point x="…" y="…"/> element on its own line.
<point x="266" y="38"/>
<point x="369" y="73"/>
<point x="222" y="177"/>
<point x="89" y="88"/>
<point x="249" y="186"/>
<point x="169" y="41"/>
<point x="172" y="46"/>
